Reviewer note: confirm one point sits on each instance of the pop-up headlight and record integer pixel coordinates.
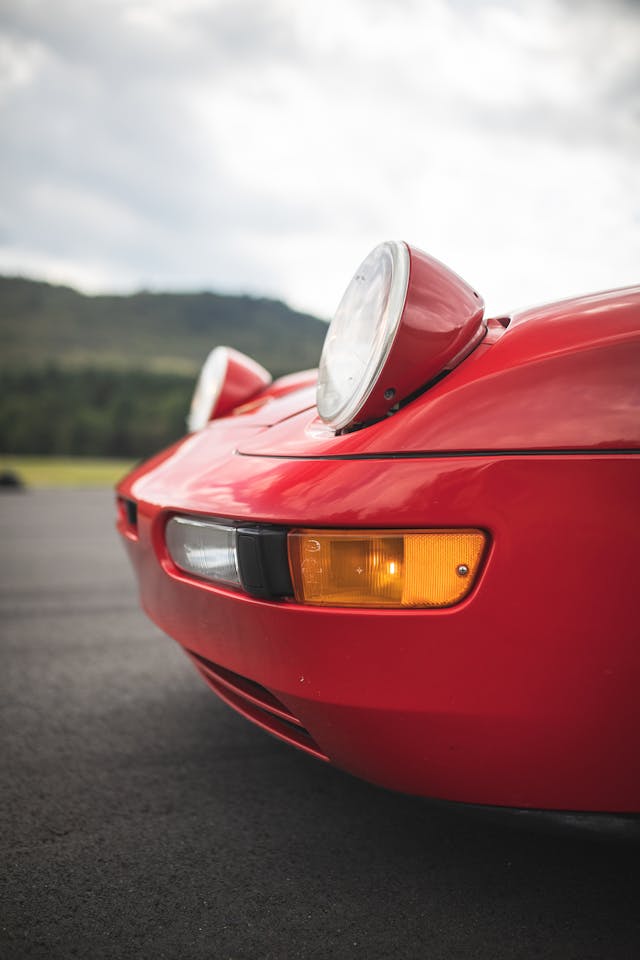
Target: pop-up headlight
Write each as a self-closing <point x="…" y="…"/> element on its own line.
<point x="404" y="319"/>
<point x="228" y="378"/>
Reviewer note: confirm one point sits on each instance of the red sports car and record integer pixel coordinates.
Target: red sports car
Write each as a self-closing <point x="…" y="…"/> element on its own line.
<point x="422" y="562"/>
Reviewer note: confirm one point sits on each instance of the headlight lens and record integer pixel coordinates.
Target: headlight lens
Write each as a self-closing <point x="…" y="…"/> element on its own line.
<point x="361" y="333"/>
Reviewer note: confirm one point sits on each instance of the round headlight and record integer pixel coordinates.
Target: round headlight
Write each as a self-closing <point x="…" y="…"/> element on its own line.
<point x="227" y="379"/>
<point x="361" y="333"/>
<point x="403" y="321"/>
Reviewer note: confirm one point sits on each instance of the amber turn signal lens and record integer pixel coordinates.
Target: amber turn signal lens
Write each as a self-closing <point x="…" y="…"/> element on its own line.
<point x="384" y="568"/>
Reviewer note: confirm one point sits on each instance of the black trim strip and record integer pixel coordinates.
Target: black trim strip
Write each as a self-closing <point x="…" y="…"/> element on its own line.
<point x="131" y="508"/>
<point x="263" y="561"/>
<point x="450" y="454"/>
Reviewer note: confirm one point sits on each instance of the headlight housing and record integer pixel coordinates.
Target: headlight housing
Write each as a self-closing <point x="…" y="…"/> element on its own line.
<point x="404" y="319"/>
<point x="227" y="379"/>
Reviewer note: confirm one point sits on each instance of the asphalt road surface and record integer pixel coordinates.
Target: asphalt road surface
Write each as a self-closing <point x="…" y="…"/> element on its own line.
<point x="140" y="817"/>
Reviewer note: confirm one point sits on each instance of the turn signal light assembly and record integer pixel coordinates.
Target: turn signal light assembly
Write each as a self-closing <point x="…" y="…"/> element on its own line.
<point x="204" y="549"/>
<point x="384" y="568"/>
<point x="337" y="568"/>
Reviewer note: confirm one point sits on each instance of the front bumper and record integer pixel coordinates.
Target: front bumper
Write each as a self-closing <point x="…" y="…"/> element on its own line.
<point x="523" y="695"/>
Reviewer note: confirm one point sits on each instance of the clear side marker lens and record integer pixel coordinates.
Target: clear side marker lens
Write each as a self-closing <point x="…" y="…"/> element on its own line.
<point x="204" y="549"/>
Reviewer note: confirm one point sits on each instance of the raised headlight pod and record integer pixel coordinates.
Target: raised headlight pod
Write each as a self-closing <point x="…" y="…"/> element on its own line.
<point x="228" y="378"/>
<point x="404" y="319"/>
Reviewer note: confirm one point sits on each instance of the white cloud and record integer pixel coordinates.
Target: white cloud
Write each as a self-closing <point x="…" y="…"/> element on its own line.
<point x="265" y="146"/>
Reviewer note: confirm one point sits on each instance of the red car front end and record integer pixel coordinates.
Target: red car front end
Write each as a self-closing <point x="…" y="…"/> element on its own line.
<point x="522" y="692"/>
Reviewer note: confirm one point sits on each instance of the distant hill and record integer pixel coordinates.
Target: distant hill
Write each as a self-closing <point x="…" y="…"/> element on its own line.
<point x="113" y="375"/>
<point x="42" y="324"/>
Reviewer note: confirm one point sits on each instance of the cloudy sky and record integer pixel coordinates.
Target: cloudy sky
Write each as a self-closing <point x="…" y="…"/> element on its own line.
<point x="264" y="146"/>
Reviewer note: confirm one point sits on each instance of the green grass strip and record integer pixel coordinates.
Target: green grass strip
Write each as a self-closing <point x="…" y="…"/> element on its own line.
<point x="43" y="472"/>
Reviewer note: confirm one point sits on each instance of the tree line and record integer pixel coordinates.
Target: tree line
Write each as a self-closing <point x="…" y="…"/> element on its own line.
<point x="92" y="411"/>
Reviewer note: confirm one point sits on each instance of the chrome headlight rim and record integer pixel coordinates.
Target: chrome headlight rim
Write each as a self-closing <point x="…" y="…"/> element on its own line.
<point x="383" y="328"/>
<point x="208" y="388"/>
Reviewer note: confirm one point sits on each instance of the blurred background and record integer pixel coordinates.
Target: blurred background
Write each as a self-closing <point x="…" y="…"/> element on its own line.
<point x="182" y="173"/>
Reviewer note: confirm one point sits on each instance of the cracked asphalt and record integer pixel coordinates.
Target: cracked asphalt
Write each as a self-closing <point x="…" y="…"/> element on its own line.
<point x="140" y="817"/>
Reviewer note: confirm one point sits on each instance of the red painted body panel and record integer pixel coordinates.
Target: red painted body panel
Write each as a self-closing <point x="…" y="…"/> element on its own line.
<point x="525" y="694"/>
<point x="284" y="398"/>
